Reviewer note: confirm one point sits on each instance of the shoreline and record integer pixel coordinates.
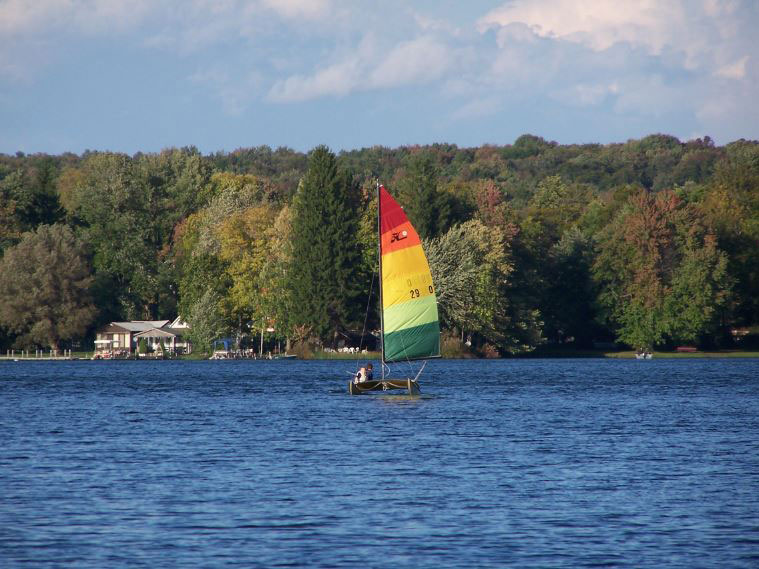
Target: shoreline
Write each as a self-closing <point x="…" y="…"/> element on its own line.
<point x="548" y="354"/>
<point x="630" y="354"/>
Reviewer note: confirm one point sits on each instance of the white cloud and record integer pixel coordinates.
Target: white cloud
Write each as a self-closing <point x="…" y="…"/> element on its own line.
<point x="31" y="31"/>
<point x="651" y="96"/>
<point x="478" y="108"/>
<point x="25" y="16"/>
<point x="598" y="25"/>
<point x="690" y="27"/>
<point x="587" y="94"/>
<point x="647" y="61"/>
<point x="432" y="24"/>
<point x="417" y="61"/>
<point x="295" y="9"/>
<point x="338" y="79"/>
<point x="19" y="17"/>
<point x="421" y="60"/>
<point x="235" y="90"/>
<point x="735" y="70"/>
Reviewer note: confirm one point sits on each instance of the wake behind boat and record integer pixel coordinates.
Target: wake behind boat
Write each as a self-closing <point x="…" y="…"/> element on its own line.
<point x="410" y="329"/>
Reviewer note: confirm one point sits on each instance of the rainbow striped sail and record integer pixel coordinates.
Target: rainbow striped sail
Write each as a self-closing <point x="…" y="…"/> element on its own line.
<point x="410" y="327"/>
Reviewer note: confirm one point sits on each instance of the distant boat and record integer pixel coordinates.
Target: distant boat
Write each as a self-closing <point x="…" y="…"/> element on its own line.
<point x="644" y="355"/>
<point x="410" y="329"/>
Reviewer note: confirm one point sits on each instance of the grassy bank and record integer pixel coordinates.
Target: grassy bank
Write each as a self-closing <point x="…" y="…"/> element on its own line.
<point x="630" y="354"/>
<point x="368" y="356"/>
<point x="549" y="353"/>
<point x="688" y="355"/>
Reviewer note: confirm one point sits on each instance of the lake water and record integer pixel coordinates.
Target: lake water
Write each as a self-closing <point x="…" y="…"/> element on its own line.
<point x="523" y="463"/>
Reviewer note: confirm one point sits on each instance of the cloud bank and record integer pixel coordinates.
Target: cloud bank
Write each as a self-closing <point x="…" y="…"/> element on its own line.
<point x="629" y="61"/>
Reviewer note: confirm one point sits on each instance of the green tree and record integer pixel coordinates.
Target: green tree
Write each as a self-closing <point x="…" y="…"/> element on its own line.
<point x="325" y="276"/>
<point x="32" y="189"/>
<point x="186" y="176"/>
<point x="11" y="226"/>
<point x="471" y="267"/>
<point x="223" y="248"/>
<point x="123" y="221"/>
<point x="44" y="287"/>
<point x="246" y="248"/>
<point x="200" y="268"/>
<point x="731" y="205"/>
<point x="206" y="320"/>
<point x="127" y="208"/>
<point x="699" y="290"/>
<point x="454" y="259"/>
<point x="27" y="199"/>
<point x="528" y="145"/>
<point x="274" y="274"/>
<point x="662" y="276"/>
<point x="428" y="209"/>
<point x="569" y="303"/>
<point x="545" y="268"/>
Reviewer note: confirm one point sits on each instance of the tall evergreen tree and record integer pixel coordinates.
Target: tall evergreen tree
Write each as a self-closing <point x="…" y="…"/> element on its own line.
<point x="427" y="208"/>
<point x="325" y="276"/>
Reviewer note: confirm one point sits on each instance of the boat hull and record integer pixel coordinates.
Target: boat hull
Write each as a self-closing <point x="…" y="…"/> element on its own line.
<point x="384" y="385"/>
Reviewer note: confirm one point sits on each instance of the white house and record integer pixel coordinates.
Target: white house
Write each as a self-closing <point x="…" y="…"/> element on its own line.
<point x="121" y="338"/>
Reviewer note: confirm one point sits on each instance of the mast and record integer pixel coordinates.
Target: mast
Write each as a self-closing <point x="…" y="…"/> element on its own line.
<point x="379" y="257"/>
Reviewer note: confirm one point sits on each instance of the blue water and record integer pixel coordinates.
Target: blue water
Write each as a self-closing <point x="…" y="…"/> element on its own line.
<point x="526" y="463"/>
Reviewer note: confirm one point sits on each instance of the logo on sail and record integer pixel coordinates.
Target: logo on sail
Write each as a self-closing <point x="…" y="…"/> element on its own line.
<point x="399" y="236"/>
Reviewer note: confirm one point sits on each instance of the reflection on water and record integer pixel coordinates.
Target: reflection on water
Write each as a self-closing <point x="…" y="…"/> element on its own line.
<point x="535" y="463"/>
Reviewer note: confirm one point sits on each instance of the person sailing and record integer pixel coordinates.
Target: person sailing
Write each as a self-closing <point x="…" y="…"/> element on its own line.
<point x="364" y="374"/>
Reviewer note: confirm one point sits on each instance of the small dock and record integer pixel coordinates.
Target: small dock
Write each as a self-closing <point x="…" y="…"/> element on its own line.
<point x="33" y="359"/>
<point x="37" y="356"/>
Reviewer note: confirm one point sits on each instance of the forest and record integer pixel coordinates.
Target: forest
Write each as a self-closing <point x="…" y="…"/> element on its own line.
<point x="651" y="243"/>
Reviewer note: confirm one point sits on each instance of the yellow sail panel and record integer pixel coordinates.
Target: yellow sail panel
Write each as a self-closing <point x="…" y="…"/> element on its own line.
<point x="405" y="276"/>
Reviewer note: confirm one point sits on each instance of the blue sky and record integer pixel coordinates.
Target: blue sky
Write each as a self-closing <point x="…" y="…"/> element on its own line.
<point x="145" y="75"/>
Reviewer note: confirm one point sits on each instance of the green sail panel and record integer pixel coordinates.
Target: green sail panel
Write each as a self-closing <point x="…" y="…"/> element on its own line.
<point x="419" y="342"/>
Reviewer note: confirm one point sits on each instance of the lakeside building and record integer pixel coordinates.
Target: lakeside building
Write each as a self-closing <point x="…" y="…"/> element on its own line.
<point x="120" y="339"/>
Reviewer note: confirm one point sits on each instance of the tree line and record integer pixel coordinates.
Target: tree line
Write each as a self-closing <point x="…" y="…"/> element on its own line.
<point x="650" y="243"/>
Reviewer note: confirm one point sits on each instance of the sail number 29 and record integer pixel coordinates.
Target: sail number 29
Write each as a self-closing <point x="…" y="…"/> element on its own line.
<point x="415" y="291"/>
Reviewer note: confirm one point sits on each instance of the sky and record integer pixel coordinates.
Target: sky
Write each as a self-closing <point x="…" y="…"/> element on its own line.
<point x="144" y="75"/>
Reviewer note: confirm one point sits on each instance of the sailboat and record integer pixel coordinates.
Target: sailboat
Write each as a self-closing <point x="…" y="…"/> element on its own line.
<point x="410" y="329"/>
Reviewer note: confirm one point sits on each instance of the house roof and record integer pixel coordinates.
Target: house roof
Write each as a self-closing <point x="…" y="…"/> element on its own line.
<point x="155" y="333"/>
<point x="113" y="328"/>
<point x="179" y="323"/>
<point x="177" y="331"/>
<point x="141" y="325"/>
